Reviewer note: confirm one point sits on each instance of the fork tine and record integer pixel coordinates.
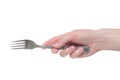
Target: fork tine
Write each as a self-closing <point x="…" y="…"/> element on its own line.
<point x="19" y="41"/>
<point x="18" y="48"/>
<point x="17" y="44"/>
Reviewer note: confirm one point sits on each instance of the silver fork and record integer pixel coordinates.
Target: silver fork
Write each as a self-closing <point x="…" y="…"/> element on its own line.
<point x="29" y="44"/>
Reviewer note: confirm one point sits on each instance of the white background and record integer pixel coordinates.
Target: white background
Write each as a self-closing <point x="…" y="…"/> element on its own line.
<point x="40" y="20"/>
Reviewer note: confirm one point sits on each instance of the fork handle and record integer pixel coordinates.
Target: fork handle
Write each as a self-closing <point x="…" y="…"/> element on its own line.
<point x="86" y="48"/>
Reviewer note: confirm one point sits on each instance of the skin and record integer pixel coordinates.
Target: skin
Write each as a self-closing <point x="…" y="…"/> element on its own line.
<point x="97" y="40"/>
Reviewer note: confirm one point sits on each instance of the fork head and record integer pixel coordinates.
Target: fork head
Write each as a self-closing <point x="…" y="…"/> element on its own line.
<point x="23" y="44"/>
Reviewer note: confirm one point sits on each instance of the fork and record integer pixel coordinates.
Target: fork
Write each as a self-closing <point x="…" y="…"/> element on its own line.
<point x="29" y="44"/>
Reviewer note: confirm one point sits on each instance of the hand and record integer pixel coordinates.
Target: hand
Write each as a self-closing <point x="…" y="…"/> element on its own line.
<point x="95" y="39"/>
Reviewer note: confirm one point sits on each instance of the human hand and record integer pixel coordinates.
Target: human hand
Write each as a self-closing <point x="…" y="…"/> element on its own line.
<point x="95" y="39"/>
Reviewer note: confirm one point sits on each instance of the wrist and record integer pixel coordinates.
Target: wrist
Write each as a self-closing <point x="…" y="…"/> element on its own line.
<point x="109" y="39"/>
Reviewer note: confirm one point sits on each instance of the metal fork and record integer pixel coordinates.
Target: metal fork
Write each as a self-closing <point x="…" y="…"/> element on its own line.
<point x="29" y="44"/>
